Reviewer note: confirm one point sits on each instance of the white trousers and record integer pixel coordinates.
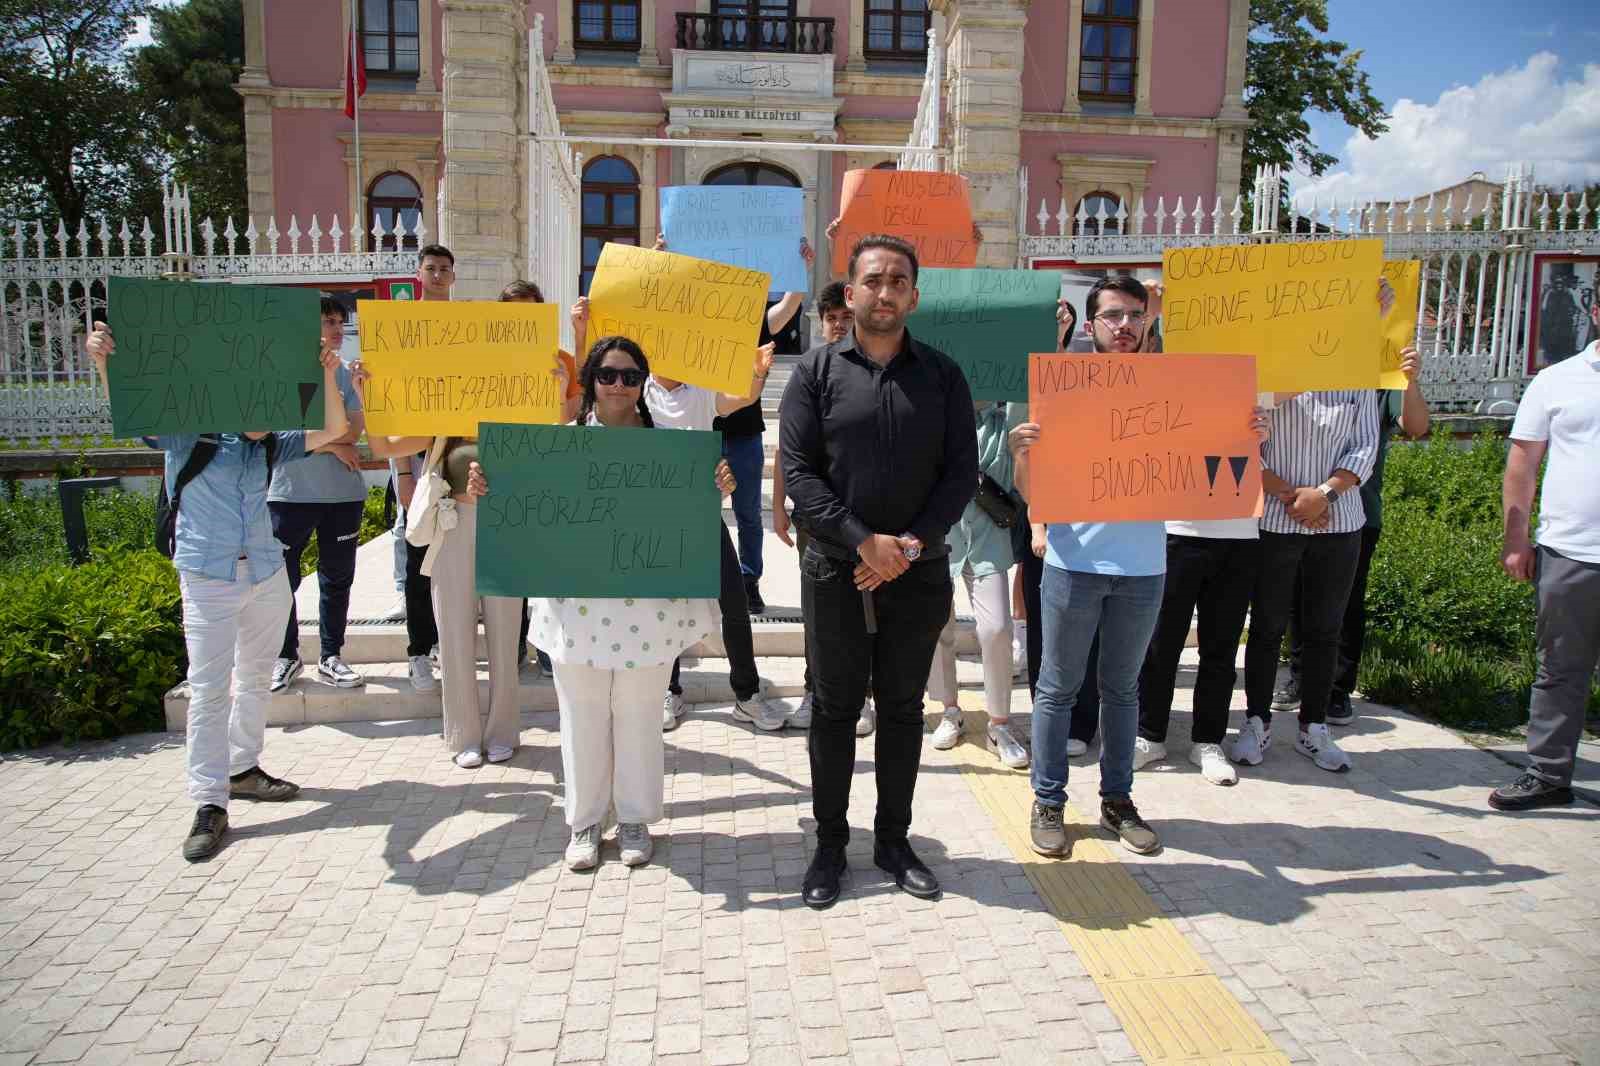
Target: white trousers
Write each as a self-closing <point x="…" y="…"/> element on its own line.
<point x="455" y="606"/>
<point x="991" y="605"/>
<point x="612" y="752"/>
<point x="233" y="631"/>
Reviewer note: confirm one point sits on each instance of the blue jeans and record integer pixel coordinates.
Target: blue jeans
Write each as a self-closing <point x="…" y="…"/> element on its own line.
<point x="746" y="457"/>
<point x="1074" y="606"/>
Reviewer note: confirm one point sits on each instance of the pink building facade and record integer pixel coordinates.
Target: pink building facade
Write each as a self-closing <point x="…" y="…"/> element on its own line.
<point x="1101" y="101"/>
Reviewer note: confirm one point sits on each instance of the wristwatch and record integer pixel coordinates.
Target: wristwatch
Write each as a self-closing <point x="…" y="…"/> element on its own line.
<point x="912" y="553"/>
<point x="1329" y="493"/>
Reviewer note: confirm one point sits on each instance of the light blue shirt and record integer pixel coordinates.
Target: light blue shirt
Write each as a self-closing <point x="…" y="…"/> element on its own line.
<point x="1116" y="549"/>
<point x="321" y="478"/>
<point x="223" y="515"/>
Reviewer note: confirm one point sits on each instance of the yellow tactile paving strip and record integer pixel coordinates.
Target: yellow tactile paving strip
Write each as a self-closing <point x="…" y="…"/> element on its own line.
<point x="1173" y="1008"/>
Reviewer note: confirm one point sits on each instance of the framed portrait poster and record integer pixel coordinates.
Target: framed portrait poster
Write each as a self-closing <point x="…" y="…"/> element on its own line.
<point x="1559" y="321"/>
<point x="1078" y="278"/>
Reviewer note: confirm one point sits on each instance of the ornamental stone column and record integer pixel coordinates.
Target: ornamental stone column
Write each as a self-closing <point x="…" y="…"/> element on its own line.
<point x="984" y="113"/>
<point x="482" y="210"/>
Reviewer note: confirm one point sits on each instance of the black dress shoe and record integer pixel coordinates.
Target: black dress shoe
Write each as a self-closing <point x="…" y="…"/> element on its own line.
<point x="820" y="889"/>
<point x="910" y="873"/>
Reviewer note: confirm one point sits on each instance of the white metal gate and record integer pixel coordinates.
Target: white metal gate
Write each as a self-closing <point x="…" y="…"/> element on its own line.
<point x="1475" y="316"/>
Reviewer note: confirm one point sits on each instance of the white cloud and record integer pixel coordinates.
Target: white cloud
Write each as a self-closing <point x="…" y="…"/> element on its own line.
<point x="141" y="34"/>
<point x="1526" y="114"/>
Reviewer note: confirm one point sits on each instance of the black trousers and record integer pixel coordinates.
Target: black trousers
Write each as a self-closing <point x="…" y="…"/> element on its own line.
<point x="1353" y="635"/>
<point x="337" y="527"/>
<point x="1086" y="710"/>
<point x="736" y="635"/>
<point x="422" y="632"/>
<point x="1323" y="567"/>
<point x="911" y="611"/>
<point x="1218" y="576"/>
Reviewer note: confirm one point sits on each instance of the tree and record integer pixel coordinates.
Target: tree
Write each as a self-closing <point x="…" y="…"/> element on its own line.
<point x="1291" y="68"/>
<point x="186" y="79"/>
<point x="73" y="132"/>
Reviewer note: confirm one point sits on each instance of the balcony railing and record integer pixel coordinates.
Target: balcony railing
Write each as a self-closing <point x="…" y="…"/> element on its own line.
<point x="755" y="33"/>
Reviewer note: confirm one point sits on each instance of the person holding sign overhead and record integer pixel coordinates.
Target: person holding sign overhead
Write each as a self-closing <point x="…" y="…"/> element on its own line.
<point x="236" y="595"/>
<point x="612" y="656"/>
<point x="879" y="447"/>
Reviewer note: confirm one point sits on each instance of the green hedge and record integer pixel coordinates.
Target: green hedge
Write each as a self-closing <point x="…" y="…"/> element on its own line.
<point x="1449" y="634"/>
<point x="31" y="530"/>
<point x="87" y="652"/>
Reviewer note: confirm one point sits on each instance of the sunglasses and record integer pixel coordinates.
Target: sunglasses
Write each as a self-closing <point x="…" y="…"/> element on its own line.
<point x="608" y="375"/>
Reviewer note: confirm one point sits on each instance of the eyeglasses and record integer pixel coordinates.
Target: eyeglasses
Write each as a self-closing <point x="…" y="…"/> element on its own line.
<point x="608" y="375"/>
<point x="1117" y="318"/>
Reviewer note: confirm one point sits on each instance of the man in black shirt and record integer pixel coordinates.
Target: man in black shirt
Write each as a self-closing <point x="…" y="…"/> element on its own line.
<point x="878" y="443"/>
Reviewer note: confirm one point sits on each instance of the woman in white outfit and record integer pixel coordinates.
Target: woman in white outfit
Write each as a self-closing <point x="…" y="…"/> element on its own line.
<point x="980" y="554"/>
<point x="612" y="657"/>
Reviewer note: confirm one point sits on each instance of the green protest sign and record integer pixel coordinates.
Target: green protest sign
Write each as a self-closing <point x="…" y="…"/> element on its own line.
<point x="989" y="322"/>
<point x="596" y="512"/>
<point x="196" y="357"/>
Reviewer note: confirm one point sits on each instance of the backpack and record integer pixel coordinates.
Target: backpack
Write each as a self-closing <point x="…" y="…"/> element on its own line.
<point x="167" y="510"/>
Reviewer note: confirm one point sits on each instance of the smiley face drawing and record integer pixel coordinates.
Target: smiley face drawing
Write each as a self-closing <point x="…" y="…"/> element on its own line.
<point x="1323" y="344"/>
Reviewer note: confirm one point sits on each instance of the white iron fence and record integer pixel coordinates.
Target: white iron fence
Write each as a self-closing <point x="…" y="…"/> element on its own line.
<point x="554" y="191"/>
<point x="1479" y="289"/>
<point x="51" y="286"/>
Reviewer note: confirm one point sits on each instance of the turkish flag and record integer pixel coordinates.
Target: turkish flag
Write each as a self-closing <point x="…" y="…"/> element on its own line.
<point x="355" y="76"/>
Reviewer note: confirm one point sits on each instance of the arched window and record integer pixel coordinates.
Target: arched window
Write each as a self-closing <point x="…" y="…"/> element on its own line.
<point x="887" y="164"/>
<point x="751" y="173"/>
<point x="610" y="210"/>
<point x="393" y="196"/>
<point x="1091" y="206"/>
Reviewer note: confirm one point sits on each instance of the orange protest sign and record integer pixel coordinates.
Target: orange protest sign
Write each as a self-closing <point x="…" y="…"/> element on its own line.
<point x="1127" y="438"/>
<point x="932" y="210"/>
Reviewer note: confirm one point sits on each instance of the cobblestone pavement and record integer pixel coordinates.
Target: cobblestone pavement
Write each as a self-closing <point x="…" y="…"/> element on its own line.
<point x="403" y="910"/>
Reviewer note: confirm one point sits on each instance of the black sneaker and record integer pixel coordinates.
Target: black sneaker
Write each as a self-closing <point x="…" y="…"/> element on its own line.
<point x="752" y="592"/>
<point x="1118" y="815"/>
<point x="1286" y="697"/>
<point x="1046" y="833"/>
<point x="256" y="784"/>
<point x="1340" y="712"/>
<point x="205" y="836"/>
<point x="1528" y="792"/>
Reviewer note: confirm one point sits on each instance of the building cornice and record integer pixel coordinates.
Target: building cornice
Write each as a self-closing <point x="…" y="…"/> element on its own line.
<point x="315" y="99"/>
<point x="1124" y="125"/>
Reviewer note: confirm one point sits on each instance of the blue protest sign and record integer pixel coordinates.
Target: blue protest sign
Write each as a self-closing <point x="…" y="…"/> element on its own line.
<point x="753" y="226"/>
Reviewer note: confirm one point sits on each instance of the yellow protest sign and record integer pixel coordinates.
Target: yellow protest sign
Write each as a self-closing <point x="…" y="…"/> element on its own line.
<point x="438" y="369"/>
<point x="1400" y="324"/>
<point x="1308" y="311"/>
<point x="696" y="320"/>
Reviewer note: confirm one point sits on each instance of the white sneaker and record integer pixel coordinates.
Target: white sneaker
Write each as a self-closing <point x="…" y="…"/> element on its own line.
<point x="1315" y="744"/>
<point x="337" y="673"/>
<point x="1146" y="752"/>
<point x="800" y="717"/>
<point x="948" y="732"/>
<point x="1251" y="745"/>
<point x="1213" y="764"/>
<point x="868" y="722"/>
<point x="759" y="712"/>
<point x="633" y="839"/>
<point x="672" y="710"/>
<point x="470" y="759"/>
<point x="1076" y="747"/>
<point x="422" y="674"/>
<point x="499" y="754"/>
<point x="1003" y="745"/>
<point x="1019" y="649"/>
<point x="583" y="850"/>
<point x="396" y="611"/>
<point x="284" y="671"/>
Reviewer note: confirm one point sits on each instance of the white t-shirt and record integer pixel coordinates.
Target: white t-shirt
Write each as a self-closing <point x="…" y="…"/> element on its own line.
<point x="685" y="407"/>
<point x="1222" y="528"/>
<point x="1562" y="406"/>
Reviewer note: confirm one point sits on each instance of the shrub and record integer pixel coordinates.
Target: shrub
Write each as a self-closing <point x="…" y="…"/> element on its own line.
<point x="87" y="652"/>
<point x="32" y="532"/>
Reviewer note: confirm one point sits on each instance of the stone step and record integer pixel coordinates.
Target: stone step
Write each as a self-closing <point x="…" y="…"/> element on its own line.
<point x="780" y="637"/>
<point x="388" y="695"/>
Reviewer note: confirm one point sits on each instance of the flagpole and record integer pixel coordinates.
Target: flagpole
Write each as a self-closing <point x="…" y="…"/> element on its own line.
<point x="353" y="75"/>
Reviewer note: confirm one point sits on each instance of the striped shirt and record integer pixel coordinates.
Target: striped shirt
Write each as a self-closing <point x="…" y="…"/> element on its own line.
<point x="1313" y="435"/>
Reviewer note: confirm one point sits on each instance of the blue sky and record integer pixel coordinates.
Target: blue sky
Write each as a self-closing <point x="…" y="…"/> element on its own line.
<point x="1527" y="84"/>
